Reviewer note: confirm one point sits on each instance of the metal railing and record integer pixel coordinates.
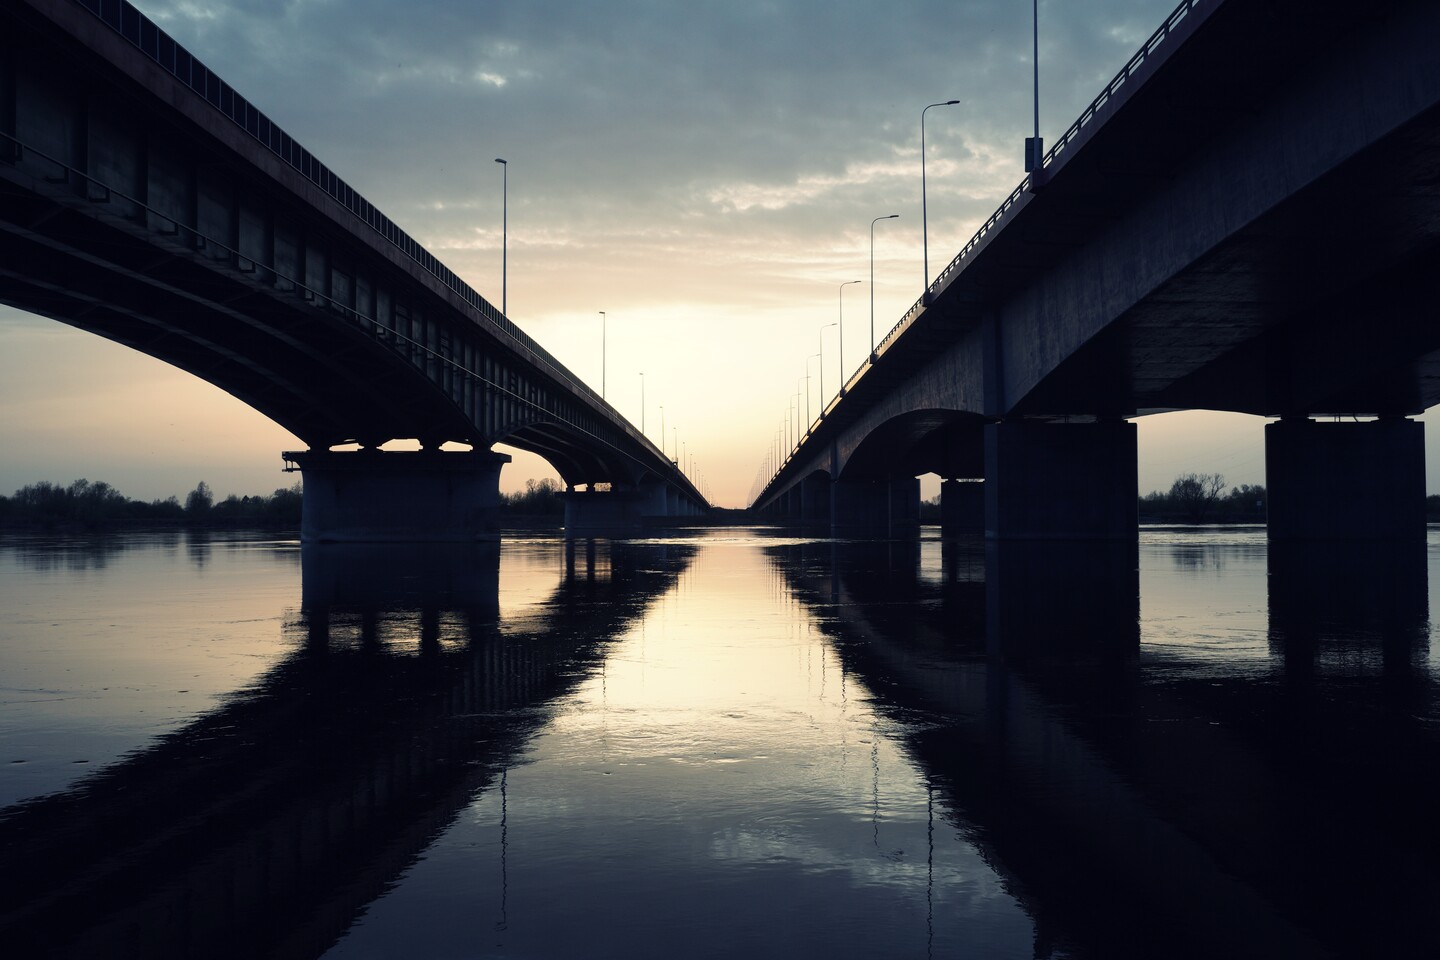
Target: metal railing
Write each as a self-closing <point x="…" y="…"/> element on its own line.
<point x="1067" y="139"/>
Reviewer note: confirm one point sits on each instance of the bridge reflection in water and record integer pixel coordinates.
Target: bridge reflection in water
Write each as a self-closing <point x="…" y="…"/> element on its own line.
<point x="263" y="828"/>
<point x="1196" y="746"/>
<point x="1195" y="798"/>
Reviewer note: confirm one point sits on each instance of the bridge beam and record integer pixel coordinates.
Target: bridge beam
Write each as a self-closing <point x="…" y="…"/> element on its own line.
<point x="1345" y="480"/>
<point x="1061" y="481"/>
<point x="417" y="496"/>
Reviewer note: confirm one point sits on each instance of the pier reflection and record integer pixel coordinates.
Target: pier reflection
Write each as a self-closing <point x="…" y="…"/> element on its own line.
<point x="1140" y="803"/>
<point x="265" y="827"/>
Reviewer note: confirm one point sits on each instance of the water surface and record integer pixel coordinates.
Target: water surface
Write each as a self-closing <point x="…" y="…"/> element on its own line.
<point x="717" y="743"/>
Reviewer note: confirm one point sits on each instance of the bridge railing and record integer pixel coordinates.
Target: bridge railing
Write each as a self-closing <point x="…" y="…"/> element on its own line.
<point x="1088" y="116"/>
<point x="414" y="351"/>
<point x="146" y="36"/>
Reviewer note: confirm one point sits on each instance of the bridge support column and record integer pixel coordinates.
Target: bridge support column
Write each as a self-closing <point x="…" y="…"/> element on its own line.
<point x="815" y="499"/>
<point x="875" y="508"/>
<point x="1061" y="481"/>
<point x="602" y="513"/>
<point x="962" y="508"/>
<point x="370" y="496"/>
<point x="655" y="499"/>
<point x="1345" y="480"/>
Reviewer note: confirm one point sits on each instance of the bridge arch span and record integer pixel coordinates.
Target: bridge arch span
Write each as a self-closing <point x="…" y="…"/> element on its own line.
<point x="949" y="443"/>
<point x="146" y="201"/>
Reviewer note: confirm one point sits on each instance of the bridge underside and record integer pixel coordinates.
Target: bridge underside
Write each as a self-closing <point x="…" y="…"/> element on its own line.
<point x="144" y="200"/>
<point x="1249" y="221"/>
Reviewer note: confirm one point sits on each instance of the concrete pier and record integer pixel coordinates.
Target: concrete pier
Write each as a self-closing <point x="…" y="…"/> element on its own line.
<point x="962" y="508"/>
<point x="417" y="496"/>
<point x="1061" y="481"/>
<point x="1345" y="480"/>
<point x="886" y="507"/>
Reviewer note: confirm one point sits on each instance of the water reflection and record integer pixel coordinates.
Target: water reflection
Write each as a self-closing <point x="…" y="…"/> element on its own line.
<point x="264" y="827"/>
<point x="1140" y="801"/>
<point x="743" y="743"/>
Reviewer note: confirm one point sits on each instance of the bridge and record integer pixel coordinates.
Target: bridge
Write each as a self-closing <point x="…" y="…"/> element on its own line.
<point x="145" y="200"/>
<point x="1246" y="219"/>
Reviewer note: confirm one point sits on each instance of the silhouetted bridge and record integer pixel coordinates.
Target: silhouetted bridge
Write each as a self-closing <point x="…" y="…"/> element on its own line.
<point x="1247" y="219"/>
<point x="145" y="200"/>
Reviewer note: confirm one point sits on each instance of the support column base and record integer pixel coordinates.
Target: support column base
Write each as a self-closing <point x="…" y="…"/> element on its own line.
<point x="1345" y="480"/>
<point x="411" y="496"/>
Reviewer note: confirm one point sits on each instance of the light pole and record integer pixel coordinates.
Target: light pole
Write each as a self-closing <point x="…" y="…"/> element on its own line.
<point x="822" y="366"/>
<point x="504" y="230"/>
<point x="642" y="403"/>
<point x="805" y="380"/>
<point x="602" y="354"/>
<point x="1034" y="146"/>
<point x="924" y="223"/>
<point x="841" y="322"/>
<point x="893" y="216"/>
<point x="662" y="429"/>
<point x="807" y="384"/>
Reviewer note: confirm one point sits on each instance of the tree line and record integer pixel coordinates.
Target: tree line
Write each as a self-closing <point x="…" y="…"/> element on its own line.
<point x="89" y="503"/>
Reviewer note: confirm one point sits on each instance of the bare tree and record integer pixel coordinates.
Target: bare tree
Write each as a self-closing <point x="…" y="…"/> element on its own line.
<point x="1197" y="493"/>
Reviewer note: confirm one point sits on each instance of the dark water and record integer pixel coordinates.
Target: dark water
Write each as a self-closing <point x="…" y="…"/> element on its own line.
<point x="717" y="744"/>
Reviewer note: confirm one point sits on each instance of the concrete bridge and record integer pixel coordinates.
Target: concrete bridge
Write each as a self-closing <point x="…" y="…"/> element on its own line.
<point x="145" y="200"/>
<point x="1246" y="219"/>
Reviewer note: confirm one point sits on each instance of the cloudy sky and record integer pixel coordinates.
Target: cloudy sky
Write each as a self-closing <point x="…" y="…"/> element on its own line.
<point x="704" y="172"/>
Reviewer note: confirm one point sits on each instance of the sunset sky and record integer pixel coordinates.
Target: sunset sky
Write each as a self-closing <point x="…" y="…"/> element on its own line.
<point x="706" y="173"/>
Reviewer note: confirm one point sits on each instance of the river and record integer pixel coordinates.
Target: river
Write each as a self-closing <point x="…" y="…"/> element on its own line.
<point x="717" y="743"/>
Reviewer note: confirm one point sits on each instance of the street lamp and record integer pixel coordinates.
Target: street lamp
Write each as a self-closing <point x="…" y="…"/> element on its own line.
<point x="504" y="230"/>
<point x="602" y="354"/>
<point x="924" y="228"/>
<point x="841" y="321"/>
<point x="1034" y="146"/>
<point x="822" y="366"/>
<point x="807" y="383"/>
<point x="806" y="380"/>
<point x="642" y="403"/>
<point x="893" y="216"/>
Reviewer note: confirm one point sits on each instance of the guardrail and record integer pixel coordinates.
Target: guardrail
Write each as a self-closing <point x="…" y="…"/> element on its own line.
<point x="13" y="151"/>
<point x="1087" y="116"/>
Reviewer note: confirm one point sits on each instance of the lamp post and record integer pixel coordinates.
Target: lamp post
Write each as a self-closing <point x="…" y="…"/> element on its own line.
<point x="893" y="216"/>
<point x="602" y="354"/>
<point x="1034" y="146"/>
<point x="504" y="230"/>
<point x="807" y="384"/>
<point x="841" y="322"/>
<point x="822" y="366"/>
<point x="642" y="403"/>
<point x="924" y="222"/>
<point x="662" y="429"/>
<point x="805" y="380"/>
